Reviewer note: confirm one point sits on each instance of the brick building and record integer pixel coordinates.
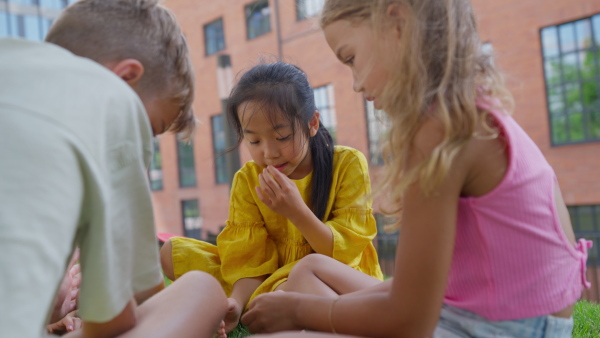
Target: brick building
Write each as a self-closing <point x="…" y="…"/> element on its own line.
<point x="548" y="50"/>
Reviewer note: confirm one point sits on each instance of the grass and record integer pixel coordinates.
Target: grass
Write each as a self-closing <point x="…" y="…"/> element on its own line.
<point x="239" y="332"/>
<point x="587" y="320"/>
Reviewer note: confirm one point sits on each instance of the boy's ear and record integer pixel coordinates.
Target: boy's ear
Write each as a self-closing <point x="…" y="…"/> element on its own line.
<point x="130" y="70"/>
<point x="313" y="124"/>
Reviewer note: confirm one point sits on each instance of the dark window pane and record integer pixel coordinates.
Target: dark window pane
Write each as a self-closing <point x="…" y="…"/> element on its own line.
<point x="594" y="129"/>
<point x="258" y="19"/>
<point x="155" y="173"/>
<point x="567" y="37"/>
<point x="187" y="169"/>
<point x="559" y="129"/>
<point x="192" y="221"/>
<point x="214" y="37"/>
<point x="588" y="68"/>
<point x="31" y="25"/>
<point x="4" y="32"/>
<point x="589" y="90"/>
<point x="552" y="72"/>
<point x="572" y="96"/>
<point x="596" y="28"/>
<point x="576" y="127"/>
<point x="555" y="100"/>
<point x="550" y="41"/>
<point x="569" y="67"/>
<point x="325" y="102"/>
<point x="583" y="33"/>
<point x="219" y="147"/>
<point x="308" y="8"/>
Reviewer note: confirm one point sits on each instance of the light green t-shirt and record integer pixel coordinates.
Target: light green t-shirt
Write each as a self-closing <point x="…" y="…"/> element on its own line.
<point x="75" y="142"/>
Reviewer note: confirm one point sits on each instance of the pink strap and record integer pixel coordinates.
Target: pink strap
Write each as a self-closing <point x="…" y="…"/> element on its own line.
<point x="582" y="246"/>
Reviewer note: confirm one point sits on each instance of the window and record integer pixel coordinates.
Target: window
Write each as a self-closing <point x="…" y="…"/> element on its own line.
<point x="325" y="101"/>
<point x="219" y="147"/>
<point x="386" y="243"/>
<point x="308" y="8"/>
<point x="187" y="169"/>
<point x="214" y="37"/>
<point x="586" y="223"/>
<point x="192" y="222"/>
<point x="571" y="54"/>
<point x="155" y="173"/>
<point x="377" y="129"/>
<point x="31" y="28"/>
<point x="4" y="24"/>
<point x="258" y="18"/>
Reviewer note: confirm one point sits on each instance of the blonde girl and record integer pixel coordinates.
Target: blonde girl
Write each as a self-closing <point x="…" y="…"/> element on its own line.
<point x="486" y="246"/>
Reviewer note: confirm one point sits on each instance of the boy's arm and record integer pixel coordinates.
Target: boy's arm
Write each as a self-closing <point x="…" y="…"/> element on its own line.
<point x="122" y="323"/>
<point x="142" y="296"/>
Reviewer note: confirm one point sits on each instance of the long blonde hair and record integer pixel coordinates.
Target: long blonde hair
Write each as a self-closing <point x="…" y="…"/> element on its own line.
<point x="438" y="69"/>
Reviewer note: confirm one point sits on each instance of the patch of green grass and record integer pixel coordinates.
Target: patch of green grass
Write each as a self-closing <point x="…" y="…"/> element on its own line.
<point x="239" y="332"/>
<point x="587" y="320"/>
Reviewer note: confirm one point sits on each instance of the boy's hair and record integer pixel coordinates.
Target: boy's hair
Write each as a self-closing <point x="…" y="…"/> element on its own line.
<point x="115" y="30"/>
<point x="437" y="68"/>
<point x="283" y="90"/>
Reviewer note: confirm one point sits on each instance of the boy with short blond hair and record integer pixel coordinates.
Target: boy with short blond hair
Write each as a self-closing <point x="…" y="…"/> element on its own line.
<point x="76" y="142"/>
<point x="116" y="34"/>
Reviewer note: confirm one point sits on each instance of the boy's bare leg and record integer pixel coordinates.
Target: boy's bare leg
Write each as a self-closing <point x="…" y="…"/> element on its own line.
<point x="324" y="276"/>
<point x="193" y="306"/>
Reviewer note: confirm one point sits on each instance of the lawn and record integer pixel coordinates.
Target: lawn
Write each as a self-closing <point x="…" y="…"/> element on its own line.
<point x="587" y="320"/>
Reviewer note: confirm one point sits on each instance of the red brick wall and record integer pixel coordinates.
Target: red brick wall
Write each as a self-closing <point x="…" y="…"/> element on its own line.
<point x="512" y="26"/>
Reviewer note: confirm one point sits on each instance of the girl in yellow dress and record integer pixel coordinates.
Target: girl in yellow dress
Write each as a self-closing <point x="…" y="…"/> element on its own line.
<point x="299" y="195"/>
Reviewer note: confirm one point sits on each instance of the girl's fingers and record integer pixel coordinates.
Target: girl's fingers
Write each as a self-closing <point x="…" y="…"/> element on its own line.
<point x="266" y="187"/>
<point x="279" y="178"/>
<point x="262" y="196"/>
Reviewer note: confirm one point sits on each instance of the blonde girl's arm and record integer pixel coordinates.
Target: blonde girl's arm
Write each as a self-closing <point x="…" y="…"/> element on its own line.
<point x="281" y="195"/>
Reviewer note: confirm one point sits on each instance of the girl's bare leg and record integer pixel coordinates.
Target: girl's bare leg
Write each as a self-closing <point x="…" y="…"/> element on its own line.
<point x="301" y="334"/>
<point x="166" y="259"/>
<point x="193" y="306"/>
<point x="324" y="276"/>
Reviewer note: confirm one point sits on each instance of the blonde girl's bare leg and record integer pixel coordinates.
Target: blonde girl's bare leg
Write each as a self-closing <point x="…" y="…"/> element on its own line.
<point x="321" y="275"/>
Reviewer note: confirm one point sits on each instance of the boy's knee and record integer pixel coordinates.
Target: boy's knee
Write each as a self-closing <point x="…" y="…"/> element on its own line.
<point x="166" y="260"/>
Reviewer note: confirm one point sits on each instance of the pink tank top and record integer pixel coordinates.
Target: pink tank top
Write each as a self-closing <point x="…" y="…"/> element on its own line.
<point x="512" y="259"/>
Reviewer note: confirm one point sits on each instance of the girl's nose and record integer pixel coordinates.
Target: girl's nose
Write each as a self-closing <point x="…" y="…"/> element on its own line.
<point x="271" y="151"/>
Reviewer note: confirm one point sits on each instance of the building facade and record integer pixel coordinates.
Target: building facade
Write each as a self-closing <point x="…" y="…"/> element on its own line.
<point x="549" y="52"/>
<point x="29" y="19"/>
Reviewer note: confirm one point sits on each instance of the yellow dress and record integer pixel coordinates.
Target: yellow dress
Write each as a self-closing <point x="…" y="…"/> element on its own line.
<point x="256" y="241"/>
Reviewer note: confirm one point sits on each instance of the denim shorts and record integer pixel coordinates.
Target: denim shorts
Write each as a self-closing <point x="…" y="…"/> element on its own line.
<point x="455" y="323"/>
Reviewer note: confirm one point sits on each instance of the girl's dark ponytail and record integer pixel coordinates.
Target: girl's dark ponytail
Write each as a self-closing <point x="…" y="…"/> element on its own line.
<point x="321" y="150"/>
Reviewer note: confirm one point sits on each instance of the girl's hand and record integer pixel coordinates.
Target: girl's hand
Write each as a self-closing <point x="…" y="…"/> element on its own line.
<point x="279" y="193"/>
<point x="271" y="312"/>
